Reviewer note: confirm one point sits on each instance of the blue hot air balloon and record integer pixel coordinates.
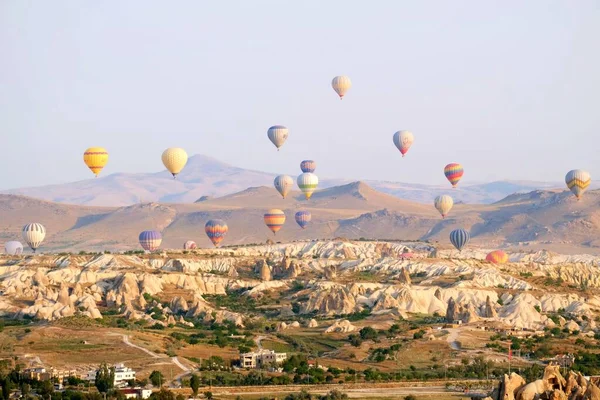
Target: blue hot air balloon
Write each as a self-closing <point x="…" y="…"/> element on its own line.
<point x="308" y="166"/>
<point x="459" y="238"/>
<point x="150" y="240"/>
<point x="303" y="218"/>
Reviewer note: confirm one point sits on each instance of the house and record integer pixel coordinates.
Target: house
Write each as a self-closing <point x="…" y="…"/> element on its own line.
<point x="261" y="358"/>
<point x="123" y="374"/>
<point x="136" y="393"/>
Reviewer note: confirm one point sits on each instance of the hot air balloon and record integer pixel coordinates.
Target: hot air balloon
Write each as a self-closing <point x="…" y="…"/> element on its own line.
<point x="497" y="257"/>
<point x="189" y="245"/>
<point x="150" y="240"/>
<point x="216" y="229"/>
<point x="308" y="166"/>
<point x="283" y="184"/>
<point x="278" y="134"/>
<point x="341" y="84"/>
<point x="453" y="172"/>
<point x="307" y="182"/>
<point x="34" y="235"/>
<point x="274" y="219"/>
<point x="443" y="204"/>
<point x="403" y="140"/>
<point x="578" y="181"/>
<point x="13" y="248"/>
<point x="95" y="158"/>
<point x="459" y="238"/>
<point x="303" y="218"/>
<point x="174" y="159"/>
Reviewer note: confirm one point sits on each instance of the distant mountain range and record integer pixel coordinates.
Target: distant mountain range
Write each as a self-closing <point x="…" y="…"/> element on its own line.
<point x="205" y="176"/>
<point x="533" y="220"/>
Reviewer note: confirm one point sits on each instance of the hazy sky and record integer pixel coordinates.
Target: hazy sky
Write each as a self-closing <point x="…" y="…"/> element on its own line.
<point x="510" y="88"/>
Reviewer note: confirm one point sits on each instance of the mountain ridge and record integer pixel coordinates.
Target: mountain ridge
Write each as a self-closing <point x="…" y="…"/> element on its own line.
<point x="207" y="176"/>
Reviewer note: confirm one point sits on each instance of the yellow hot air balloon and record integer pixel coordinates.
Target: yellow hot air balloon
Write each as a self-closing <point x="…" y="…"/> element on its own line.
<point x="95" y="158"/>
<point x="274" y="219"/>
<point x="174" y="159"/>
<point x="443" y="204"/>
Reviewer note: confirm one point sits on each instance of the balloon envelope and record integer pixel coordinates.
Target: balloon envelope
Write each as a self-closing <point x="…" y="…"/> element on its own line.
<point x="150" y="240"/>
<point x="578" y="181"/>
<point x="274" y="219"/>
<point x="459" y="238"/>
<point x="278" y="134"/>
<point x="453" y="172"/>
<point x="308" y="166"/>
<point x="403" y="140"/>
<point x="13" y="248"/>
<point x="95" y="158"/>
<point x="303" y="218"/>
<point x="189" y="245"/>
<point x="497" y="257"/>
<point x="308" y="182"/>
<point x="174" y="159"/>
<point x="34" y="235"/>
<point x="341" y="84"/>
<point x="216" y="229"/>
<point x="443" y="204"/>
<point x="283" y="184"/>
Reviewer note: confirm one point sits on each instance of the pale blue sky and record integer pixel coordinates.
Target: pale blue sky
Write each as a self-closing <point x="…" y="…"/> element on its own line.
<point x="508" y="88"/>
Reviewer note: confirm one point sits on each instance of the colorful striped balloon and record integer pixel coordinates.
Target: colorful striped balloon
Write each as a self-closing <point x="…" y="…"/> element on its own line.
<point x="578" y="181"/>
<point x="95" y="158"/>
<point x="34" y="235"/>
<point x="308" y="166"/>
<point x="189" y="245"/>
<point x="307" y="183"/>
<point x="216" y="229"/>
<point x="150" y="240"/>
<point x="274" y="219"/>
<point x="497" y="257"/>
<point x="341" y="84"/>
<point x="459" y="238"/>
<point x="303" y="218"/>
<point x="283" y="184"/>
<point x="278" y="134"/>
<point x="453" y="172"/>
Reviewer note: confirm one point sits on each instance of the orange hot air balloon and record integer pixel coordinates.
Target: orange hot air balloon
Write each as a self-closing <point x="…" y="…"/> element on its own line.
<point x="497" y="257"/>
<point x="274" y="219"/>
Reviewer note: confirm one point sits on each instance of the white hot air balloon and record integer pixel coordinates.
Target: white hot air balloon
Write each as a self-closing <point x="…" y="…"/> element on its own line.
<point x="278" y="134"/>
<point x="403" y="140"/>
<point x="443" y="204"/>
<point x="307" y="182"/>
<point x="13" y="248"/>
<point x="34" y="235"/>
<point x="341" y="84"/>
<point x="578" y="181"/>
<point x="283" y="184"/>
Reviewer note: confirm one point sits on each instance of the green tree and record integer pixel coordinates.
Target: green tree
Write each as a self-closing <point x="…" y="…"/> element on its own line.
<point x="195" y="384"/>
<point x="46" y="389"/>
<point x="6" y="387"/>
<point x="25" y="390"/>
<point x="163" y="394"/>
<point x="208" y="395"/>
<point x="105" y="378"/>
<point x="156" y="378"/>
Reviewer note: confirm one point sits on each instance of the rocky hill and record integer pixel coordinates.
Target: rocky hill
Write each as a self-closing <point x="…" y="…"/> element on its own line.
<point x="552" y="220"/>
<point x="319" y="279"/>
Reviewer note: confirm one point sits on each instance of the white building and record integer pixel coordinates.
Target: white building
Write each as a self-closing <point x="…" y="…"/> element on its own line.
<point x="261" y="358"/>
<point x="123" y="374"/>
<point x="137" y="393"/>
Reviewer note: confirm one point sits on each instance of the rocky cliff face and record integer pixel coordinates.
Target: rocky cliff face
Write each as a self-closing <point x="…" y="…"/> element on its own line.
<point x="331" y="274"/>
